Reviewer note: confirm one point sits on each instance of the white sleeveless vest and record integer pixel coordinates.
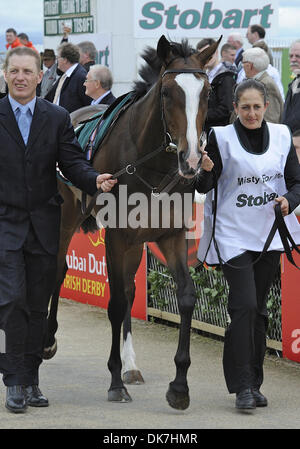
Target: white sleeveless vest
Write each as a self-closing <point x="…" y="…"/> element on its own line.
<point x="247" y="187"/>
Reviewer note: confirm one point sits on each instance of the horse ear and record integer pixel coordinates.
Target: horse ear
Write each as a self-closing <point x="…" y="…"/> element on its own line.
<point x="205" y="55"/>
<point x="164" y="50"/>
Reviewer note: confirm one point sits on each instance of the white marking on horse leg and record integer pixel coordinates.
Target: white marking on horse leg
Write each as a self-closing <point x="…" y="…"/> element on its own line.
<point x="192" y="88"/>
<point x="128" y="355"/>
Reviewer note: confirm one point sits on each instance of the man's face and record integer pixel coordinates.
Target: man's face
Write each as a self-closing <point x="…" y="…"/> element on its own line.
<point x="229" y="55"/>
<point x="48" y="62"/>
<point x="62" y="63"/>
<point x="252" y="37"/>
<point x="10" y="37"/>
<point x="91" y="86"/>
<point x="22" y="77"/>
<point x="84" y="57"/>
<point x="23" y="41"/>
<point x="294" y="55"/>
<point x="232" y="42"/>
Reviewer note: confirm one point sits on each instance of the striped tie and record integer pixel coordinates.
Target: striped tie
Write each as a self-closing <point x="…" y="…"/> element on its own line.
<point x="59" y="87"/>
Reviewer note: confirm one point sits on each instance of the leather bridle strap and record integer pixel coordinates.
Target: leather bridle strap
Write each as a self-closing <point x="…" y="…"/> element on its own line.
<point x="187" y="70"/>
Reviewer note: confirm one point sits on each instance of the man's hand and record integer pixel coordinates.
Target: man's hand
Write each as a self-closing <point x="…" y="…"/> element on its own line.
<point x="66" y="31"/>
<point x="104" y="182"/>
<point x="206" y="163"/>
<point x="284" y="205"/>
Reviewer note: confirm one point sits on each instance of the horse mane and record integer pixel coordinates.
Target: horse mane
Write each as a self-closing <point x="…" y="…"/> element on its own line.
<point x="150" y="71"/>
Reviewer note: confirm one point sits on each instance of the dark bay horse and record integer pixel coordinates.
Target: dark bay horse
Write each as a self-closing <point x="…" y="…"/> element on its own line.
<point x="155" y="147"/>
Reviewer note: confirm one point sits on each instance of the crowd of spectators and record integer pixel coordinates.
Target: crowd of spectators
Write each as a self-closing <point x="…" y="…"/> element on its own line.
<point x="65" y="72"/>
<point x="69" y="80"/>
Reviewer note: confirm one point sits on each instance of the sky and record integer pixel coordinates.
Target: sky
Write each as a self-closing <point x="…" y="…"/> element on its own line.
<point x="27" y="16"/>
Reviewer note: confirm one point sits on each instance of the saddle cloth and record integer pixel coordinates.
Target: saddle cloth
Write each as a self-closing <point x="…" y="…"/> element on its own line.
<point x="107" y="119"/>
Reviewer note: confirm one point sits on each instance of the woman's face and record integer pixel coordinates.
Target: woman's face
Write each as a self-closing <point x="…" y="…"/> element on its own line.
<point x="251" y="108"/>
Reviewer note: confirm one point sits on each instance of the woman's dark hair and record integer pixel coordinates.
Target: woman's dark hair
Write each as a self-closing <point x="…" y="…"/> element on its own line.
<point x="249" y="84"/>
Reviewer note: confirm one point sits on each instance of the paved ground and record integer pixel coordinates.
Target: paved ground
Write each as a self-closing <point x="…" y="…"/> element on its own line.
<point x="76" y="382"/>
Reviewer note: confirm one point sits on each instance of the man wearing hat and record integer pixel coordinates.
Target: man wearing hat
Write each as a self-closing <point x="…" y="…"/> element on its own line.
<point x="50" y="75"/>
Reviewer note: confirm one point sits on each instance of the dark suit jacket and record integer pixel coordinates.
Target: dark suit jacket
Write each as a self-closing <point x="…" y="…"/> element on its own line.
<point x="72" y="95"/>
<point x="239" y="58"/>
<point x="28" y="183"/>
<point x="108" y="99"/>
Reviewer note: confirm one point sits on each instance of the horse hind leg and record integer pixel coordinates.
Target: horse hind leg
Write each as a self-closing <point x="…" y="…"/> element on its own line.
<point x="121" y="271"/>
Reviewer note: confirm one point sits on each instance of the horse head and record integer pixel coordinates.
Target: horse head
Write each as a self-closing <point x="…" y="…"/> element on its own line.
<point x="184" y="101"/>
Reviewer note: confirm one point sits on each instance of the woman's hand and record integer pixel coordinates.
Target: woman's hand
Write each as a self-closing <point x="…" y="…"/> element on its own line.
<point x="284" y="205"/>
<point x="206" y="162"/>
<point x="104" y="182"/>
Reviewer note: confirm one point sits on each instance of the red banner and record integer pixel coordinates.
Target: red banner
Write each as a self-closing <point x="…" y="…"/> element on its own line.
<point x="290" y="297"/>
<point x="193" y="237"/>
<point x="86" y="280"/>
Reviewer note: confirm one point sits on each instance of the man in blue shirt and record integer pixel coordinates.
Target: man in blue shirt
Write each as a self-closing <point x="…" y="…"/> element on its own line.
<point x="35" y="135"/>
<point x="98" y="85"/>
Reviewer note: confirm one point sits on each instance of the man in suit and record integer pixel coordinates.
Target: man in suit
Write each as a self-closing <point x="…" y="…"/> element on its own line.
<point x="50" y="76"/>
<point x="236" y="40"/>
<point x="12" y="39"/>
<point x="69" y="91"/>
<point x="35" y="135"/>
<point x="291" y="113"/>
<point x="88" y="53"/>
<point x="257" y="33"/>
<point x="255" y="62"/>
<point x="98" y="85"/>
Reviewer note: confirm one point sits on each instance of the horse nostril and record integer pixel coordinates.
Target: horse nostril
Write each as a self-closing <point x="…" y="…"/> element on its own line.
<point x="182" y="156"/>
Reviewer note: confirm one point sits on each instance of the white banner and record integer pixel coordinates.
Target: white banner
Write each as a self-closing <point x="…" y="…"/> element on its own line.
<point x="102" y="43"/>
<point x="194" y="18"/>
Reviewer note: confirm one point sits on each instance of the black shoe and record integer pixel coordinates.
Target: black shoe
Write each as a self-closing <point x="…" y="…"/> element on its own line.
<point x="260" y="399"/>
<point x="245" y="400"/>
<point x="34" y="396"/>
<point x="15" y="399"/>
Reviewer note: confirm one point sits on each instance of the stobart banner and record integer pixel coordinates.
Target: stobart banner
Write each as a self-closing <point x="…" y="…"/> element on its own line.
<point x="86" y="280"/>
<point x="194" y="18"/>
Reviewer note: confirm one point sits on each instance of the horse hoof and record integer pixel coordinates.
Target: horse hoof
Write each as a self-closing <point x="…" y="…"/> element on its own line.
<point x="133" y="377"/>
<point x="177" y="400"/>
<point x="50" y="351"/>
<point x="119" y="395"/>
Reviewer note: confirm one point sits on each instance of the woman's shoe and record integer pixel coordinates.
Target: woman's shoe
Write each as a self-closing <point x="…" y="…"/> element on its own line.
<point x="260" y="399"/>
<point x="245" y="400"/>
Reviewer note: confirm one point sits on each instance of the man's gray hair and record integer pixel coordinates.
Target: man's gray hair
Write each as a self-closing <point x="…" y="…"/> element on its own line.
<point x="88" y="48"/>
<point x="236" y="37"/>
<point x="103" y="74"/>
<point x="258" y="57"/>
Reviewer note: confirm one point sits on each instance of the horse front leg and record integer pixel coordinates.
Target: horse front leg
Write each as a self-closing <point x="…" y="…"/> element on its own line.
<point x="131" y="373"/>
<point x="50" y="346"/>
<point x="174" y="249"/>
<point x="117" y="308"/>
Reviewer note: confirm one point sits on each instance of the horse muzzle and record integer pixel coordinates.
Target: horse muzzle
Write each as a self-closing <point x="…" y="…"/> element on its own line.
<point x="188" y="167"/>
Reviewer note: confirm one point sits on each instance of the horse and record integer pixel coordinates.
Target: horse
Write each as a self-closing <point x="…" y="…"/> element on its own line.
<point x="154" y="149"/>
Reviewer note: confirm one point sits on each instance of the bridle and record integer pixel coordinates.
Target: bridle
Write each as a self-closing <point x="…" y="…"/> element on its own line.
<point x="168" y="145"/>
